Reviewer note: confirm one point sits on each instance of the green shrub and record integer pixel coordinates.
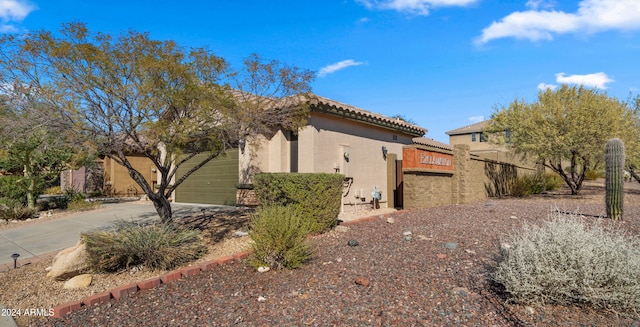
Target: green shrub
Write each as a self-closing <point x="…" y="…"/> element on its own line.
<point x="157" y="246"/>
<point x="552" y="181"/>
<point x="73" y="195"/>
<point x="9" y="188"/>
<point x="317" y="195"/>
<point x="54" y="202"/>
<point x="11" y="209"/>
<point x="71" y="200"/>
<point x="566" y="261"/>
<point x="519" y="188"/>
<point x="280" y="237"/>
<point x="536" y="183"/>
<point x="527" y="185"/>
<point x="592" y="174"/>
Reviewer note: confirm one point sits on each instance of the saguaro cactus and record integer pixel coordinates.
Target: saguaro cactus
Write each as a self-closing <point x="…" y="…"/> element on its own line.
<point x="614" y="161"/>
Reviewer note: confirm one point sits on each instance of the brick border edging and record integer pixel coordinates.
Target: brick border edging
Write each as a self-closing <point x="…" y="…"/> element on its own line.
<point x="125" y="290"/>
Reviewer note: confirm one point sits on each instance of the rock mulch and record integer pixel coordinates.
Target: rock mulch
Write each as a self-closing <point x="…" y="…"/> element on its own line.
<point x="29" y="288"/>
<point x="422" y="282"/>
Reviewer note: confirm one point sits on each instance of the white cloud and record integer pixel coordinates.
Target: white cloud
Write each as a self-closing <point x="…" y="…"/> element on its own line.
<point x="537" y="4"/>
<point x="330" y="69"/>
<point x="591" y="16"/>
<point x="13" y="11"/>
<point x="415" y="7"/>
<point x="476" y="119"/>
<point x="543" y="87"/>
<point x="597" y="80"/>
<point x="8" y="28"/>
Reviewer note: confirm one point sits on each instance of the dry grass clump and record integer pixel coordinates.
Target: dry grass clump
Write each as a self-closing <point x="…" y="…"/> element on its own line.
<point x="156" y="246"/>
<point x="280" y="237"/>
<point x="83" y="205"/>
<point x="14" y="210"/>
<point x="567" y="261"/>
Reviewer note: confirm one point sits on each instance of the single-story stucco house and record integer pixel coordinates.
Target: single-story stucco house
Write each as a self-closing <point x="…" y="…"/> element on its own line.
<point x="365" y="147"/>
<point x="338" y="138"/>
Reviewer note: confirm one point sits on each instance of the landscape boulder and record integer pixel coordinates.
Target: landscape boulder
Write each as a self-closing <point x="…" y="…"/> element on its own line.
<point x="70" y="262"/>
<point x="78" y="282"/>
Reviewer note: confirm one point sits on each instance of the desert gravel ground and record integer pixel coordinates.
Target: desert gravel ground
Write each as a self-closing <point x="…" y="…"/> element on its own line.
<point x="384" y="281"/>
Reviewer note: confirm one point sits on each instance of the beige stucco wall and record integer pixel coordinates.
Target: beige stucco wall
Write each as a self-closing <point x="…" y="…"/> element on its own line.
<point x="491" y="151"/>
<point x="332" y="137"/>
<point x="262" y="154"/>
<point x="322" y="144"/>
<point x="477" y="145"/>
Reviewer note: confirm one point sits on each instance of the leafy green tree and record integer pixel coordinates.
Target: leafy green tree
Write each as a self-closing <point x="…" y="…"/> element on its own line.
<point x="130" y="94"/>
<point x="403" y="118"/>
<point x="30" y="142"/>
<point x="633" y="156"/>
<point x="566" y="129"/>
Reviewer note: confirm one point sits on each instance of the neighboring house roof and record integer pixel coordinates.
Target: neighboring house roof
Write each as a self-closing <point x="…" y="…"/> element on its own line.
<point x="336" y="108"/>
<point x="433" y="143"/>
<point x="473" y="128"/>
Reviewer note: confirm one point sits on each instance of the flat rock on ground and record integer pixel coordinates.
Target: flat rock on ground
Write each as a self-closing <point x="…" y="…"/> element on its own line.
<point x="80" y="281"/>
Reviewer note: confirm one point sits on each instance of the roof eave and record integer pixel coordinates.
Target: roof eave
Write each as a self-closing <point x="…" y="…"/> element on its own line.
<point x="362" y="118"/>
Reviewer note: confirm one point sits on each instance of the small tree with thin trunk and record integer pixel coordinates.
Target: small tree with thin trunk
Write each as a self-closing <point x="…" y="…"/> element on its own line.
<point x="633" y="153"/>
<point x="565" y="129"/>
<point x="30" y="142"/>
<point x="130" y="94"/>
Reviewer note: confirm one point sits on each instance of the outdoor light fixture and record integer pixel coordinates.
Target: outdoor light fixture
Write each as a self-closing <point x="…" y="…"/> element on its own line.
<point x="15" y="260"/>
<point x="384" y="152"/>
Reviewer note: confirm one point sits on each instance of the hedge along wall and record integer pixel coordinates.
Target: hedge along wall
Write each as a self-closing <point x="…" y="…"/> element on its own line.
<point x="317" y="195"/>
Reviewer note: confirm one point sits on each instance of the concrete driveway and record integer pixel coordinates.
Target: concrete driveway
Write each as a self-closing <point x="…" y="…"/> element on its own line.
<point x="42" y="238"/>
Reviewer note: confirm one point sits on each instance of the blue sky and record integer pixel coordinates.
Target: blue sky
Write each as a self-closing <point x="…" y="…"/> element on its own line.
<point x="441" y="63"/>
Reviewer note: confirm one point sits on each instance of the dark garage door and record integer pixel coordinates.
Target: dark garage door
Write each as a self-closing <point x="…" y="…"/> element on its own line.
<point x="214" y="183"/>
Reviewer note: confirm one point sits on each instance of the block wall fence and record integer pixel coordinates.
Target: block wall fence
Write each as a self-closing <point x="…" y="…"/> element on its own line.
<point x="435" y="177"/>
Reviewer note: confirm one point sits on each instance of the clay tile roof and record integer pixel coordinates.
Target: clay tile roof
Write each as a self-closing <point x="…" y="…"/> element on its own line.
<point x="368" y="115"/>
<point x="477" y="127"/>
<point x="431" y="142"/>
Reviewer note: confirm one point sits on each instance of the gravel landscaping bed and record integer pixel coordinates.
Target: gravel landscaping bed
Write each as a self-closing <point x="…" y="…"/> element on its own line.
<point x="27" y="288"/>
<point x="437" y="278"/>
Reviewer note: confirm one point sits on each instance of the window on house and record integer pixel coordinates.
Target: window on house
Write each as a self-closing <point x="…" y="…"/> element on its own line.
<point x="507" y="136"/>
<point x="473" y="137"/>
<point x="482" y="137"/>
